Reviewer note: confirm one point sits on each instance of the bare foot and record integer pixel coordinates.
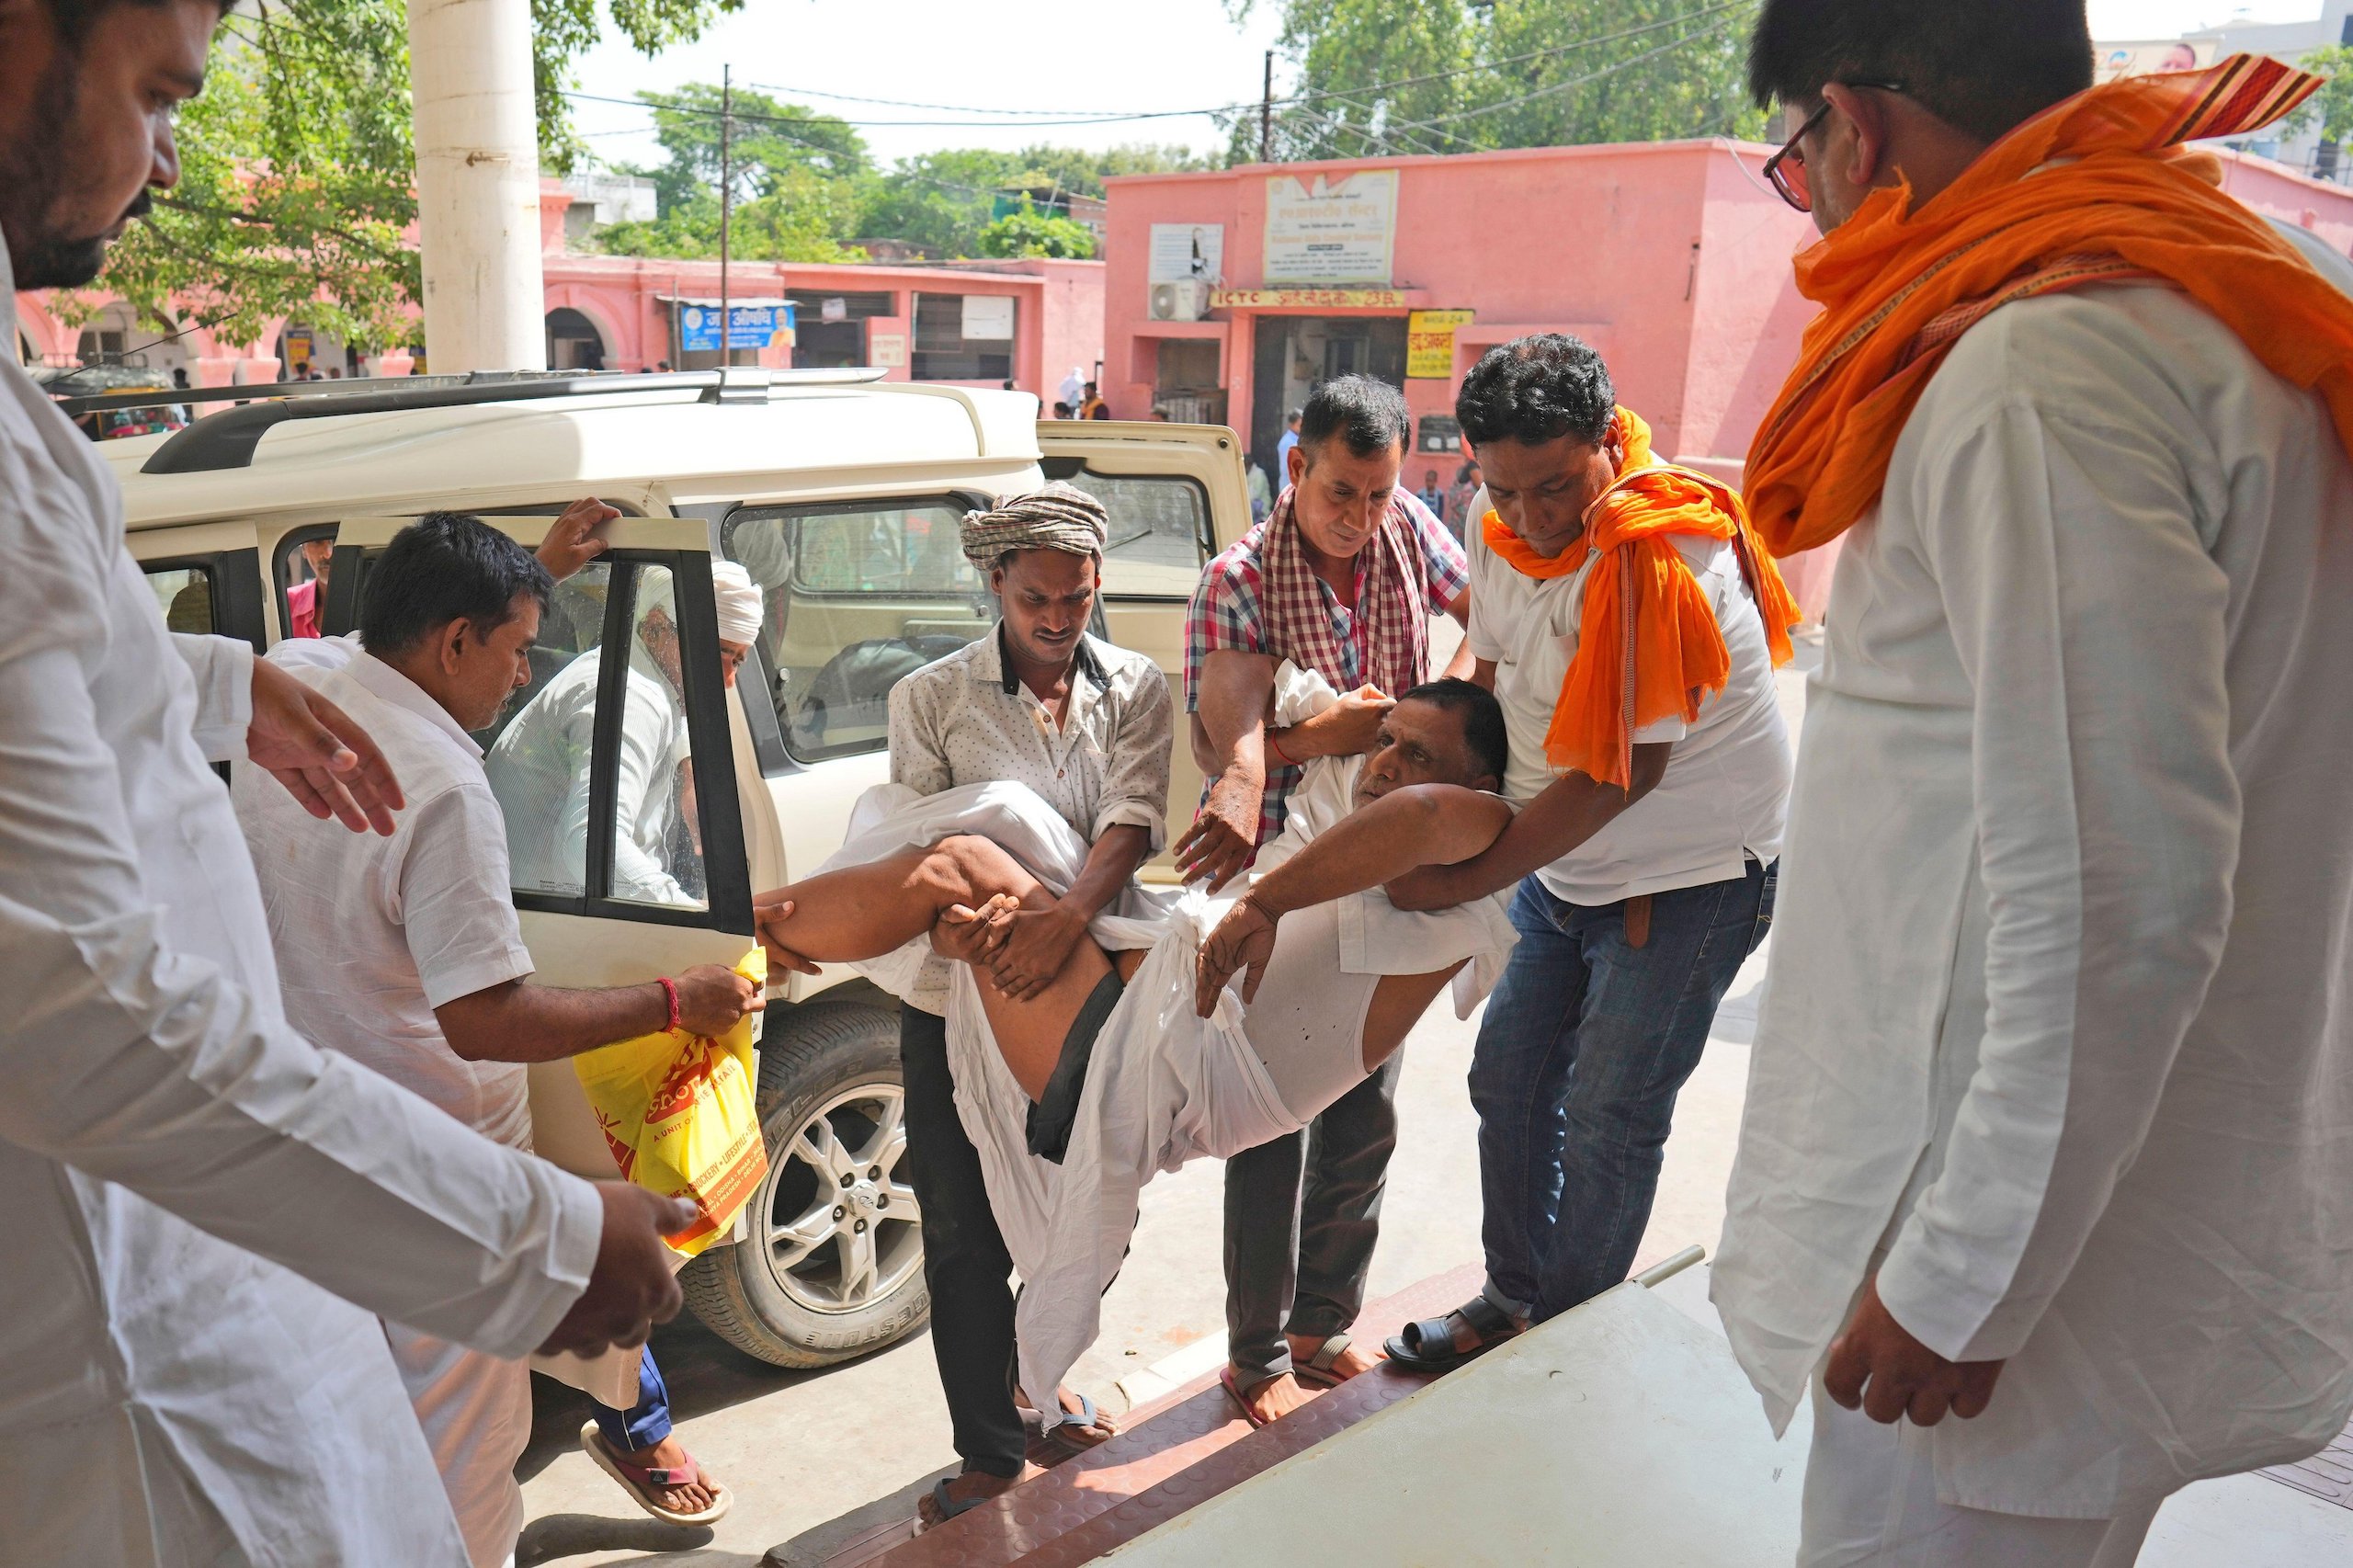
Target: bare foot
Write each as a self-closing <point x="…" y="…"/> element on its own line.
<point x="671" y="1454"/>
<point x="1351" y="1362"/>
<point x="973" y="1485"/>
<point x="1276" y="1397"/>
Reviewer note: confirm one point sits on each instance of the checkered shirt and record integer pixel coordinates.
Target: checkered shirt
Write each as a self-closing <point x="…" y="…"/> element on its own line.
<point x="1226" y="613"/>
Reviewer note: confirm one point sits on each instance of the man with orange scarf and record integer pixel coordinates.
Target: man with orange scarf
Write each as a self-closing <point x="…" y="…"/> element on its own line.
<point x="1629" y="621"/>
<point x="2050" y="1120"/>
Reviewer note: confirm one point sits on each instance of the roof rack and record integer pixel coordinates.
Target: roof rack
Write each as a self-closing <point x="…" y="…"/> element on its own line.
<point x="228" y="439"/>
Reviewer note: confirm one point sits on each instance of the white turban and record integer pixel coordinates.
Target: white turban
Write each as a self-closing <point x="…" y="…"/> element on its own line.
<point x="739" y="602"/>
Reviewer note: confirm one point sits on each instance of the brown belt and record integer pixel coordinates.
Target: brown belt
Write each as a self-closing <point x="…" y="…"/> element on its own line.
<point x="1638" y="921"/>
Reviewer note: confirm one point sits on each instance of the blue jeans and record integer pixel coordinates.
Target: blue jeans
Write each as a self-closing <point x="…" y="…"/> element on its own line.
<point x="1586" y="1043"/>
<point x="646" y="1423"/>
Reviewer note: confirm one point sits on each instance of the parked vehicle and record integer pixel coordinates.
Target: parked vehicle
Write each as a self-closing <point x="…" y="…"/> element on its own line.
<point x="842" y="495"/>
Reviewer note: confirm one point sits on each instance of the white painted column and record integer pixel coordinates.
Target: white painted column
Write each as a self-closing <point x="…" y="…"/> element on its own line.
<point x="477" y="184"/>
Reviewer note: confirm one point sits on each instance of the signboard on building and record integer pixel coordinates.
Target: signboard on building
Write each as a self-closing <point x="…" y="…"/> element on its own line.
<point x="298" y="349"/>
<point x="1307" y="298"/>
<point x="988" y="318"/>
<point x="1429" y="343"/>
<point x="748" y="326"/>
<point x="889" y="349"/>
<point x="1328" y="231"/>
<point x="1187" y="253"/>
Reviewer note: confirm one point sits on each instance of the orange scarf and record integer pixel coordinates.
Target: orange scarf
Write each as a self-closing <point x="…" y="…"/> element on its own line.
<point x="1648" y="646"/>
<point x="2120" y="199"/>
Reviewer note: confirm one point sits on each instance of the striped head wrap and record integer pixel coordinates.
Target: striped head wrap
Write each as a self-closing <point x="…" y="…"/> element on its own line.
<point x="1061" y="517"/>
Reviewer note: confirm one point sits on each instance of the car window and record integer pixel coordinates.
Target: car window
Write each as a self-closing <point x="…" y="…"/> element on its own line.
<point x="657" y="836"/>
<point x="855" y="599"/>
<point x="1159" y="538"/>
<point x="184" y="596"/>
<point x="300" y="572"/>
<point x="538" y="752"/>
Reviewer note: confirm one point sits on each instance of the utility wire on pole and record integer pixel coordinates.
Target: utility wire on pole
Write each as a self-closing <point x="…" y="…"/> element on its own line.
<point x="726" y="204"/>
<point x="1267" y="114"/>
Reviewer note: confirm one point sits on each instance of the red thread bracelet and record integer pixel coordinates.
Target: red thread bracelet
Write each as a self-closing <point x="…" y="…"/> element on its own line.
<point x="1277" y="747"/>
<point x="670" y="994"/>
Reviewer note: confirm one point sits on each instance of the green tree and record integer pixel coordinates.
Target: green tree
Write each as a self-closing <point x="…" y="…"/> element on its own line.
<point x="1027" y="231"/>
<point x="298" y="170"/>
<point x="2331" y="108"/>
<point x="1384" y="77"/>
<point x="801" y="181"/>
<point x="944" y="200"/>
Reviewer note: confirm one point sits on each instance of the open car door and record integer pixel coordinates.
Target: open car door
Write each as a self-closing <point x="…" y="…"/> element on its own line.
<point x="1177" y="496"/>
<point x="618" y="778"/>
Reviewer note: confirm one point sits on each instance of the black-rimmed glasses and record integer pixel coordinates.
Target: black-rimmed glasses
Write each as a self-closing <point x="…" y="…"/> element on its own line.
<point x="1785" y="170"/>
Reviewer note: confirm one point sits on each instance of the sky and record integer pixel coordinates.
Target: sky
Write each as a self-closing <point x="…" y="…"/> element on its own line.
<point x="1066" y="59"/>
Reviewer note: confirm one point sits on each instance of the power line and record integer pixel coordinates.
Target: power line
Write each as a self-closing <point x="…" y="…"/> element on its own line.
<point x="1049" y="118"/>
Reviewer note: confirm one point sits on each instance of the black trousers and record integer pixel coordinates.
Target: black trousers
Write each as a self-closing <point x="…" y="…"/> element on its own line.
<point x="965" y="1264"/>
<point x="1301" y="1215"/>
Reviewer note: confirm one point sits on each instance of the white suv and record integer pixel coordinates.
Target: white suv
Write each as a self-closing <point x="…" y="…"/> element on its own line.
<point x="842" y="495"/>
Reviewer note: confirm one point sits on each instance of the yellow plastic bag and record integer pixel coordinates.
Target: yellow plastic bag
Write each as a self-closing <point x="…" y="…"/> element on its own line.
<point x="678" y="1112"/>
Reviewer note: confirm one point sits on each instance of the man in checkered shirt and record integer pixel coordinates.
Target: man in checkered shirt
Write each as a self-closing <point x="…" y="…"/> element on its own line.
<point x="1341" y="578"/>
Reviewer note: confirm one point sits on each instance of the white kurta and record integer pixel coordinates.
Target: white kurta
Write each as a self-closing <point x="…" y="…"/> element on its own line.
<point x="168" y="1395"/>
<point x="539" y="769"/>
<point x="1164" y="1086"/>
<point x="2057" y="1012"/>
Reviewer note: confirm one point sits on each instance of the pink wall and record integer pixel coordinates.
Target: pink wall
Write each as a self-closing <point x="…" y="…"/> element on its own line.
<point x="1635" y="248"/>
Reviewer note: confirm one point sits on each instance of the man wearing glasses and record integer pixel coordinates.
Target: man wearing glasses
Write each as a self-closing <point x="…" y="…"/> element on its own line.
<point x="2050" y="1119"/>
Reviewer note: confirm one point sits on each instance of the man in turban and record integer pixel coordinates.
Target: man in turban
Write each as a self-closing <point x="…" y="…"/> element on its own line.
<point x="1036" y="701"/>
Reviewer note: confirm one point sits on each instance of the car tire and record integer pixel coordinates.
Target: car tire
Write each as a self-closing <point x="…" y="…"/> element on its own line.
<point x="825" y="1271"/>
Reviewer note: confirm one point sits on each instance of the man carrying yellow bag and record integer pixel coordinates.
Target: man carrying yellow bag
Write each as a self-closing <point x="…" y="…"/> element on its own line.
<point x="405" y="952"/>
<point x="677" y="1111"/>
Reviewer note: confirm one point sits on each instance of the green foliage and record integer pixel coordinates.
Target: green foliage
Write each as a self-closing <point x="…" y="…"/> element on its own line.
<point x="800" y="180"/>
<point x="1382" y="77"/>
<point x="2332" y="108"/>
<point x="1027" y="231"/>
<point x="297" y="169"/>
<point x="944" y="200"/>
<point x="295" y="184"/>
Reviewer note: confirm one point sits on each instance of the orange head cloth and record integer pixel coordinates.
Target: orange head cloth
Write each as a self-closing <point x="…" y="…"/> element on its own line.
<point x="1648" y="646"/>
<point x="2119" y="198"/>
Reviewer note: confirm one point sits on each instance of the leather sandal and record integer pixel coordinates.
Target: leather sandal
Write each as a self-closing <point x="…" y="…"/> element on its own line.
<point x="646" y="1484"/>
<point x="1428" y="1345"/>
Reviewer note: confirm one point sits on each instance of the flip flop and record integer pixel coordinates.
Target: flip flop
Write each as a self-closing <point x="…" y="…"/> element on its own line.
<point x="1233" y="1387"/>
<point x="1048" y="1444"/>
<point x="1316" y="1372"/>
<point x="645" y="1483"/>
<point x="1428" y="1345"/>
<point x="949" y="1507"/>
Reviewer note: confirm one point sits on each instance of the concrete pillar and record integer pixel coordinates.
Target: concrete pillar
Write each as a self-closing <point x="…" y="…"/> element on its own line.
<point x="477" y="184"/>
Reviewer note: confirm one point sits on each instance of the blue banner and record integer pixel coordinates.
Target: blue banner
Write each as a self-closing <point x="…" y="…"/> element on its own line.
<point x="748" y="326"/>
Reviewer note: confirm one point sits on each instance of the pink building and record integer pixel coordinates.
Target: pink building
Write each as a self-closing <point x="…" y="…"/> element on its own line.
<point x="1231" y="293"/>
<point x="1034" y="321"/>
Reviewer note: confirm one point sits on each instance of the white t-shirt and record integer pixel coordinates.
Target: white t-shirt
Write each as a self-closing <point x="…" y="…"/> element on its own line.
<point x="1727" y="782"/>
<point x="373" y="932"/>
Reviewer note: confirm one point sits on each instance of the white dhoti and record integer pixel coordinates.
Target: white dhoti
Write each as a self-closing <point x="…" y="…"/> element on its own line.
<point x="1164" y="1086"/>
<point x="1871" y="1502"/>
<point x="476" y="1413"/>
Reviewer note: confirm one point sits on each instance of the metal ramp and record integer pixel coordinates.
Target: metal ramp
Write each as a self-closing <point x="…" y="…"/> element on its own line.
<point x="1187" y="1478"/>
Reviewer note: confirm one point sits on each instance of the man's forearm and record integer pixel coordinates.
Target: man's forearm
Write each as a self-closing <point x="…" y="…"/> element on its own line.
<point x="1111" y="863"/>
<point x="1570" y="810"/>
<point x="522" y="1022"/>
<point x="1236" y="692"/>
<point x="1422" y="824"/>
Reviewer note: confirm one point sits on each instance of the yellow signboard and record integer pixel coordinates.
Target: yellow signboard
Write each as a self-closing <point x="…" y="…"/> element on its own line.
<point x="1429" y="343"/>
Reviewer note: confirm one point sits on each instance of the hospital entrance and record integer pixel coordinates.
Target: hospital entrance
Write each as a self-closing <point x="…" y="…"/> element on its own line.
<point x="1294" y="353"/>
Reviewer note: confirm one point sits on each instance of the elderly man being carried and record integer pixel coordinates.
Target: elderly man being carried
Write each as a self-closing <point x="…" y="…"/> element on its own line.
<point x="1136" y="1058"/>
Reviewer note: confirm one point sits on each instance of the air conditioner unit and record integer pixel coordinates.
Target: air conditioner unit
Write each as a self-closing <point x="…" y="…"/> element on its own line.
<point x="1179" y="301"/>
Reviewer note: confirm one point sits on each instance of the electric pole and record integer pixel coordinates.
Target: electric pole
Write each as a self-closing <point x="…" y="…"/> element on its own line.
<point x="727" y="206"/>
<point x="1267" y="114"/>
